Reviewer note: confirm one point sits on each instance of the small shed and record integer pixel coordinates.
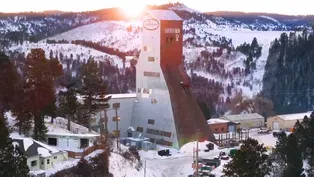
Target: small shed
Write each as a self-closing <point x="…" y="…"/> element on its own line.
<point x="286" y="121"/>
<point x="137" y="142"/>
<point x="147" y="145"/>
<point x="222" y="126"/>
<point x="252" y="120"/>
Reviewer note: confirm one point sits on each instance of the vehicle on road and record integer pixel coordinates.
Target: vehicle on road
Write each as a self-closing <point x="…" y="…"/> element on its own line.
<point x="263" y="130"/>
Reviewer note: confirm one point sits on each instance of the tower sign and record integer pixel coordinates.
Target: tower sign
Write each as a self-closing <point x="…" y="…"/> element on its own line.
<point x="151" y="24"/>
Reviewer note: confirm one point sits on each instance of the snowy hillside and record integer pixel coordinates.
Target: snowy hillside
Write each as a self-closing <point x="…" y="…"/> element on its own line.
<point x="108" y="33"/>
<point x="205" y="34"/>
<point x="78" y="52"/>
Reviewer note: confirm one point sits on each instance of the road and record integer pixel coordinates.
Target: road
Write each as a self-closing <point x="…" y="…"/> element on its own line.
<point x="178" y="166"/>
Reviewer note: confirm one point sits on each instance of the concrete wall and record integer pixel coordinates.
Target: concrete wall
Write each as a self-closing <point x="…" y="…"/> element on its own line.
<point x="252" y="123"/>
<point x="161" y="113"/>
<point x="48" y="162"/>
<point x="29" y="161"/>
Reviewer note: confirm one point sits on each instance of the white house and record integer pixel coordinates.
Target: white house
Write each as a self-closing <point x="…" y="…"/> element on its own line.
<point x="71" y="141"/>
<point x="39" y="155"/>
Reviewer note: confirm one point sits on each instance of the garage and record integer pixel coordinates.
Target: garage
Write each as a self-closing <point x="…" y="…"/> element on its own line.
<point x="275" y="125"/>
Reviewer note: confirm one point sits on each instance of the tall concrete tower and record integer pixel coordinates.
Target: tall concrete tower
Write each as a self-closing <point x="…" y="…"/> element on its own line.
<point x="165" y="110"/>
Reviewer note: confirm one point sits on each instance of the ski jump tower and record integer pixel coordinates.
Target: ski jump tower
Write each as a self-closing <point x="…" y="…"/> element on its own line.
<point x="165" y="110"/>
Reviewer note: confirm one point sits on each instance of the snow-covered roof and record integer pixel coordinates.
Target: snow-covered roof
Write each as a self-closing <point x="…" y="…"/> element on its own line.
<point x="30" y="147"/>
<point x="296" y="116"/>
<point x="138" y="139"/>
<point x="237" y="117"/>
<point x="122" y="95"/>
<point x="164" y="15"/>
<point x="217" y="121"/>
<point x="87" y="135"/>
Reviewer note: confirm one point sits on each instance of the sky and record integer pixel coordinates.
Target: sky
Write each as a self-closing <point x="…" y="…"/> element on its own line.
<point x="291" y="7"/>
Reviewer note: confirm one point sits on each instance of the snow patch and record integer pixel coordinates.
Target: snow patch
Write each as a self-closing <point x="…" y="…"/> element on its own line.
<point x="43" y="152"/>
<point x="27" y="143"/>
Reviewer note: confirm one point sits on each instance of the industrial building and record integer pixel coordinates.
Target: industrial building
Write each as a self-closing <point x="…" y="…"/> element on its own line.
<point x="163" y="108"/>
<point x="285" y="122"/>
<point x="252" y="120"/>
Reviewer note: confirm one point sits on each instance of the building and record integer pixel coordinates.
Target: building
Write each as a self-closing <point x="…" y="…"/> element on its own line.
<point x="125" y="112"/>
<point x="253" y="120"/>
<point x="285" y="122"/>
<point x="70" y="141"/>
<point x="222" y="126"/>
<point x="39" y="155"/>
<point x="163" y="108"/>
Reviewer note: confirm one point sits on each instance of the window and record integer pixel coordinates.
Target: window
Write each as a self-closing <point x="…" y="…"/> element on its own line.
<point x="151" y="121"/>
<point x="139" y="129"/>
<point x="52" y="141"/>
<point x="48" y="161"/>
<point x="151" y="59"/>
<point x="55" y="157"/>
<point x="42" y="162"/>
<point x="139" y="90"/>
<point x="163" y="142"/>
<point x="216" y="129"/>
<point x="151" y="74"/>
<point x="147" y="49"/>
<point x="222" y="129"/>
<point x="158" y="132"/>
<point x="34" y="163"/>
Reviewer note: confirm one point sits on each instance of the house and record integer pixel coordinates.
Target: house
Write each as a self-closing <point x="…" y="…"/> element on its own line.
<point x="286" y="121"/>
<point x="253" y="120"/>
<point x="39" y="155"/>
<point x="222" y="126"/>
<point x="71" y="141"/>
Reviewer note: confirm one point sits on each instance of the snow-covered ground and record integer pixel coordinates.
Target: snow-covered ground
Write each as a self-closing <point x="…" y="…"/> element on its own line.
<point x="79" y="52"/>
<point x="179" y="164"/>
<point x="118" y="165"/>
<point x="108" y="33"/>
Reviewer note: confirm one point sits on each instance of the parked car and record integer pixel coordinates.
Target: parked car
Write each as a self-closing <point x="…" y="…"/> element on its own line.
<point x="165" y="152"/>
<point x="225" y="157"/>
<point x="276" y="133"/>
<point x="263" y="130"/>
<point x="232" y="152"/>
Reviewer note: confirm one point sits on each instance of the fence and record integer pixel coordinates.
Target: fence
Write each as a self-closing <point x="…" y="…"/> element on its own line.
<point x="86" y="151"/>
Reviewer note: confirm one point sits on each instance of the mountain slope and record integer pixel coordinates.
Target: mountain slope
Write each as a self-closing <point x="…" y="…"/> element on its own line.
<point x="210" y="49"/>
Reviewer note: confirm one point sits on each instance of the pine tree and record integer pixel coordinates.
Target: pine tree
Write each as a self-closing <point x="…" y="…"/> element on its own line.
<point x="40" y="87"/>
<point x="68" y="103"/>
<point x="8" y="81"/>
<point x="13" y="163"/>
<point x="294" y="158"/>
<point x="93" y="87"/>
<point x="249" y="161"/>
<point x="281" y="145"/>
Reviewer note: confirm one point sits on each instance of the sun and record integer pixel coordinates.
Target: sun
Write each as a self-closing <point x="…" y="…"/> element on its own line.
<point x="132" y="9"/>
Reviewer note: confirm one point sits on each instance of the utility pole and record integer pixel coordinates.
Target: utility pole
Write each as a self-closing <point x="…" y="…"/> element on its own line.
<point x="106" y="122"/>
<point x="145" y="168"/>
<point x="116" y="106"/>
<point x="196" y="154"/>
